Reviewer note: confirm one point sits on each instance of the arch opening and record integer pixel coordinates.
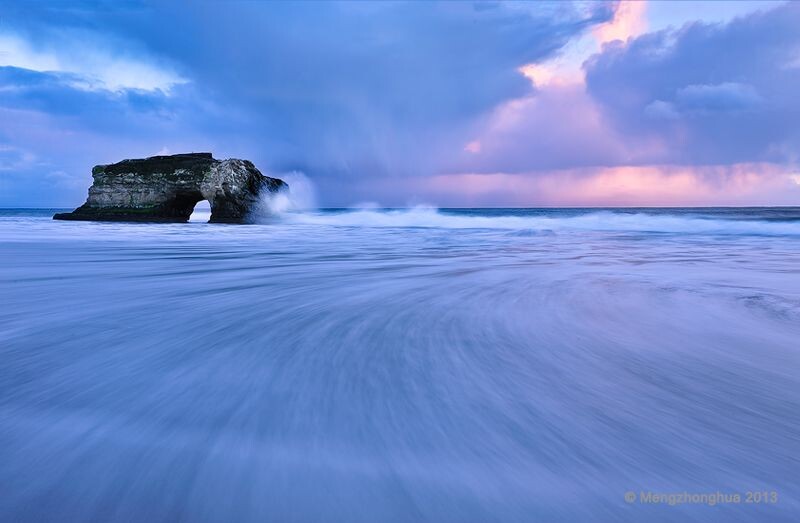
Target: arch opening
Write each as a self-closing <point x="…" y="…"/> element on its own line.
<point x="181" y="204"/>
<point x="201" y="212"/>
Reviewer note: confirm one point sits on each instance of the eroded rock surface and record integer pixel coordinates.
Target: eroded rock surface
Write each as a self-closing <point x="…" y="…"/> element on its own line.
<point x="166" y="189"/>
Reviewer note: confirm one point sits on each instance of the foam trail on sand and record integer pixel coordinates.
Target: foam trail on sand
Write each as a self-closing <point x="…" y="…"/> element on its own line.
<point x="372" y="365"/>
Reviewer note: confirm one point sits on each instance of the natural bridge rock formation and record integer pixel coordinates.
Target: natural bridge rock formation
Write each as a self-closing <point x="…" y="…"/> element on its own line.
<point x="166" y="189"/>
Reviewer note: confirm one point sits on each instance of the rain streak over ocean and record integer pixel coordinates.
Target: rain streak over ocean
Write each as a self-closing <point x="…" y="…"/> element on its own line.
<point x="402" y="365"/>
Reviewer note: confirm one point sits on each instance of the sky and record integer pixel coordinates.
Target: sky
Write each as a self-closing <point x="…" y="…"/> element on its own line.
<point x="405" y="103"/>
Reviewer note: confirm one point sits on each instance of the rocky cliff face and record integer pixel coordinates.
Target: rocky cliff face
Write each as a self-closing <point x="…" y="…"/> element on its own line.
<point x="166" y="188"/>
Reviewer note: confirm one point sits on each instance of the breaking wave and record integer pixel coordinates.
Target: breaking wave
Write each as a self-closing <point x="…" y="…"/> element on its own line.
<point x="300" y="196"/>
<point x="542" y="220"/>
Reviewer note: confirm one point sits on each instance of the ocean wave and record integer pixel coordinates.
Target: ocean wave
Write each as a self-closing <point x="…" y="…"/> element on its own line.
<point x="431" y="217"/>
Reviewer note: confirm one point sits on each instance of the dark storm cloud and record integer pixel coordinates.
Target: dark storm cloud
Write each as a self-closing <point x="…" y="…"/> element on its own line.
<point x="339" y="90"/>
<point x="359" y="89"/>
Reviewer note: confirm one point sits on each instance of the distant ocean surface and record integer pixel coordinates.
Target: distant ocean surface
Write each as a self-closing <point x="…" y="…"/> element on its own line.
<point x="410" y="365"/>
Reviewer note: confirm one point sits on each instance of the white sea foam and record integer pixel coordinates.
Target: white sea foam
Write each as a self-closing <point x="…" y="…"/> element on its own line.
<point x="298" y="205"/>
<point x="425" y="216"/>
<point x="300" y="196"/>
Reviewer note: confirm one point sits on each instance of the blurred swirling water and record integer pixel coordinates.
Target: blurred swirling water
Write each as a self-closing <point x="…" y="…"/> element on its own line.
<point x="400" y="365"/>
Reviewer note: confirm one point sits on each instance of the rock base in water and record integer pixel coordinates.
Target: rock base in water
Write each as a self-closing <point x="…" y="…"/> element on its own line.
<point x="166" y="189"/>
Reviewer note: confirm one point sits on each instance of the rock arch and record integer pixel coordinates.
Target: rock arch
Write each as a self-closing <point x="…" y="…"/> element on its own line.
<point x="166" y="189"/>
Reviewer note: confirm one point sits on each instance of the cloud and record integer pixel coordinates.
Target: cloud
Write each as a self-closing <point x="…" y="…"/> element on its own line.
<point x="47" y="126"/>
<point x="727" y="96"/>
<point x="555" y="127"/>
<point x="626" y="19"/>
<point x="652" y="125"/>
<point x="14" y="159"/>
<point x="629" y="21"/>
<point x="712" y="93"/>
<point x="659" y="109"/>
<point x="90" y="61"/>
<point x="61" y="93"/>
<point x="645" y="185"/>
<point x="699" y="99"/>
<point x="394" y="101"/>
<point x="341" y="91"/>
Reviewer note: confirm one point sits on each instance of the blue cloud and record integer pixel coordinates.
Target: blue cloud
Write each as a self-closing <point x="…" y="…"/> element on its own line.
<point x="728" y="96"/>
<point x="339" y="90"/>
<point x="62" y="94"/>
<point x="704" y="99"/>
<point x="712" y="93"/>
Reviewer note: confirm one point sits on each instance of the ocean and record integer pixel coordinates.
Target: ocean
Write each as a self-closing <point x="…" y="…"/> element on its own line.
<point x="403" y="365"/>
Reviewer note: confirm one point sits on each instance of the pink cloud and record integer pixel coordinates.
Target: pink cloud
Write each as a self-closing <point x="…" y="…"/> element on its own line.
<point x="557" y="126"/>
<point x="473" y="147"/>
<point x="630" y="19"/>
<point x="650" y="185"/>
